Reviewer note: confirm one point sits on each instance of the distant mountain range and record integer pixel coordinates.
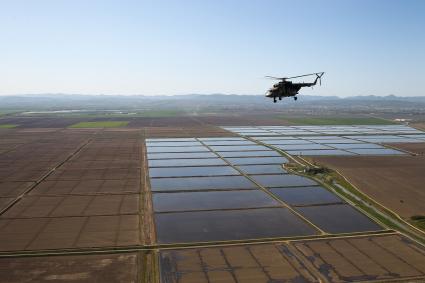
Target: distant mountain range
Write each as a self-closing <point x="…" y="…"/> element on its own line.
<point x="204" y="101"/>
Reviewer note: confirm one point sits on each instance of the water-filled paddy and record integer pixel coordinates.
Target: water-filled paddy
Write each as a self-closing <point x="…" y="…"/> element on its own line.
<point x="238" y="148"/>
<point x="302" y="147"/>
<point x="202" y="183"/>
<point x="262" y="169"/>
<point x="222" y="225"/>
<point x="257" y="160"/>
<point x="338" y="218"/>
<point x="166" y="144"/>
<point x="319" y="152"/>
<point x="186" y="162"/>
<point x="284" y="180"/>
<point x="240" y="142"/>
<point x="192" y="171"/>
<point x="262" y="153"/>
<point x="181" y="155"/>
<point x="306" y="195"/>
<point x="163" y="149"/>
<point x="185" y="201"/>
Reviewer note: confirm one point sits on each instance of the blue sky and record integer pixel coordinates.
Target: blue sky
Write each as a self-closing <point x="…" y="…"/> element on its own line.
<point x="178" y="47"/>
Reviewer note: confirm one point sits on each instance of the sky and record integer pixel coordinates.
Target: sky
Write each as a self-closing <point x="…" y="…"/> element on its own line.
<point x="366" y="47"/>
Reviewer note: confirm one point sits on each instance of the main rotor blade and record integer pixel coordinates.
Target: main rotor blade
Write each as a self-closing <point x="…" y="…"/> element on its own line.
<point x="317" y="74"/>
<point x="275" y="78"/>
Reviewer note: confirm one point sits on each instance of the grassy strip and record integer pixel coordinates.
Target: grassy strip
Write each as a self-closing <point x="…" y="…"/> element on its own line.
<point x="112" y="114"/>
<point x="8" y="126"/>
<point x="337" y="121"/>
<point x="103" y="124"/>
<point x="418" y="221"/>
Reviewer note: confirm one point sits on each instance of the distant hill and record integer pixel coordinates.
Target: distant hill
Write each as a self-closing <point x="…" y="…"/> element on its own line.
<point x="212" y="102"/>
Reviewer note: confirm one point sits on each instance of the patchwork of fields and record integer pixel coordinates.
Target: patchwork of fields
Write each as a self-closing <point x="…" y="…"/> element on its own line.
<point x="148" y="205"/>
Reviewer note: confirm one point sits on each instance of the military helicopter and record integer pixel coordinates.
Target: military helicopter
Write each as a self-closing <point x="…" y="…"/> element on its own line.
<point x="286" y="88"/>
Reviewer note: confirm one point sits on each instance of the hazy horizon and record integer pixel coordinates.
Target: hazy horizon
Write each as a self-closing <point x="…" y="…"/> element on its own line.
<point x="174" y="48"/>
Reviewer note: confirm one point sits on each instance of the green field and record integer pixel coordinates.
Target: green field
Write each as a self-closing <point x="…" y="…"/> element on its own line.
<point x="103" y="124"/>
<point x="7" y="126"/>
<point x="109" y="114"/>
<point x="337" y="121"/>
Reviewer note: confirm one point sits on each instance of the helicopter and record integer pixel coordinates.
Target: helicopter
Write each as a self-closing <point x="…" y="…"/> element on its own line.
<point x="286" y="88"/>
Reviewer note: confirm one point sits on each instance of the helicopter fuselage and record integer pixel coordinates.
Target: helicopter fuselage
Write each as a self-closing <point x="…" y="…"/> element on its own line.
<point x="286" y="89"/>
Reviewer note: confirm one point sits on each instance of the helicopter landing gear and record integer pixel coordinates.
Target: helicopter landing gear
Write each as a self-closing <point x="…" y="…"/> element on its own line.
<point x="295" y="98"/>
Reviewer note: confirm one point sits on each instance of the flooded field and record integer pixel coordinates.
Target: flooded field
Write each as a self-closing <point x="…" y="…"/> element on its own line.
<point x="212" y="200"/>
<point x="224" y="225"/>
<point x="338" y="218"/>
<point x="91" y="190"/>
<point x="333" y="140"/>
<point x="261" y="200"/>
<point x="201" y="183"/>
<point x="353" y="259"/>
<point x="304" y="196"/>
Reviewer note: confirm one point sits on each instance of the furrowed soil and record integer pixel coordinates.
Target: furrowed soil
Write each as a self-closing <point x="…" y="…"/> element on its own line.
<point x="396" y="182"/>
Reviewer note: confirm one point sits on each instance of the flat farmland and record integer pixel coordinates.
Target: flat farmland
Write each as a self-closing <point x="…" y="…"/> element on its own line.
<point x="108" y="268"/>
<point x="187" y="175"/>
<point x="417" y="148"/>
<point x="350" y="259"/>
<point x="186" y="131"/>
<point x="71" y="189"/>
<point x="203" y="203"/>
<point x="396" y="182"/>
<point x="364" y="258"/>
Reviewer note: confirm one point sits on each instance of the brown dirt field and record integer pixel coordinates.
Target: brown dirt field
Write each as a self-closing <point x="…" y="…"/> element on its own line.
<point x="95" y="174"/>
<point x="396" y="182"/>
<point x="74" y="268"/>
<point x="87" y="187"/>
<point x="420" y="126"/>
<point x="69" y="232"/>
<point x="91" y="200"/>
<point x="55" y="123"/>
<point x="418" y="148"/>
<point x="380" y="257"/>
<point x="4" y="202"/>
<point x="13" y="189"/>
<point x="65" y="206"/>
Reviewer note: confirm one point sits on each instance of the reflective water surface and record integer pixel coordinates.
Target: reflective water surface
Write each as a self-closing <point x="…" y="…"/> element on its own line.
<point x="319" y="152"/>
<point x="192" y="171"/>
<point x="238" y="148"/>
<point x="261" y="153"/>
<point x="181" y="155"/>
<point x="338" y="218"/>
<point x="262" y="169"/>
<point x="161" y="149"/>
<point x="306" y="195"/>
<point x="204" y="226"/>
<point x="201" y="183"/>
<point x="185" y="162"/>
<point x="282" y="180"/>
<point x="257" y="160"/>
<point x="184" y="201"/>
